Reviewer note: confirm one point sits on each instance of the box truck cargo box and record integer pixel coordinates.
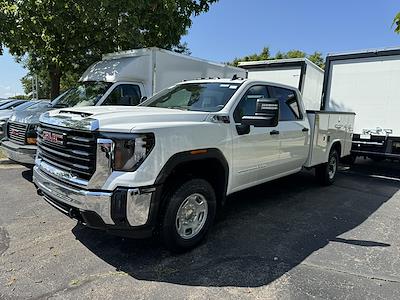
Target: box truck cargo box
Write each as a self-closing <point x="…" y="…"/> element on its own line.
<point x="300" y="73"/>
<point x="367" y="83"/>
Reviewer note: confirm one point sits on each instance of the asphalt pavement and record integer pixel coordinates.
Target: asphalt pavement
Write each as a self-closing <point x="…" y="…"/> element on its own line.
<point x="287" y="239"/>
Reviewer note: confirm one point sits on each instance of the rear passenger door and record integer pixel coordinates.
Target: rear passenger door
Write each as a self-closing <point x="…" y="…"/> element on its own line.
<point x="293" y="129"/>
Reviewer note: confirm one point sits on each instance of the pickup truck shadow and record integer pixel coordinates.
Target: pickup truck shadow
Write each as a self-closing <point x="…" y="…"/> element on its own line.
<point x="266" y="231"/>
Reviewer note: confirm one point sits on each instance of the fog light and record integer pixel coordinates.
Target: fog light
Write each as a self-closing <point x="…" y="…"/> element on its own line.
<point x="31" y="141"/>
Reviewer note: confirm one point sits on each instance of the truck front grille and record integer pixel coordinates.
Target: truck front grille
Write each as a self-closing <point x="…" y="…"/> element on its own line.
<point x="69" y="150"/>
<point x="16" y="132"/>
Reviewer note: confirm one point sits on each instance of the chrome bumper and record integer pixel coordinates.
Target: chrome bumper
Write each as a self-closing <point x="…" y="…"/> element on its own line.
<point x="24" y="154"/>
<point x="137" y="203"/>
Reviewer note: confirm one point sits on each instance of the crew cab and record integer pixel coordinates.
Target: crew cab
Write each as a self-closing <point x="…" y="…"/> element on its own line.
<point x="166" y="166"/>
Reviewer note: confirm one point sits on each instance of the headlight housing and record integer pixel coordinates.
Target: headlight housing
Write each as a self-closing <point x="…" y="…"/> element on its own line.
<point x="3" y="126"/>
<point x="129" y="153"/>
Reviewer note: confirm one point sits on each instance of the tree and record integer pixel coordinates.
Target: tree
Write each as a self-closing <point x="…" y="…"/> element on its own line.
<point x="65" y="36"/>
<point x="396" y="23"/>
<point x="316" y="57"/>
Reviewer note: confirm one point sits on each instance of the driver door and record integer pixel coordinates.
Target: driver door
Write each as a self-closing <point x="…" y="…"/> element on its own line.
<point x="255" y="153"/>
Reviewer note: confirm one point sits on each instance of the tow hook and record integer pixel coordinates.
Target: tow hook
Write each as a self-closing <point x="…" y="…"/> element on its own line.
<point x="39" y="192"/>
<point x="73" y="214"/>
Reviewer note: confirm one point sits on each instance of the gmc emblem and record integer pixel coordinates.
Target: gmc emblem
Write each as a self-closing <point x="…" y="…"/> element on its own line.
<point x="16" y="132"/>
<point x="52" y="137"/>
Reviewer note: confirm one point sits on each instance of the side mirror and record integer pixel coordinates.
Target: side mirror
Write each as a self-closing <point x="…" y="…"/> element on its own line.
<point x="267" y="114"/>
<point x="144" y="98"/>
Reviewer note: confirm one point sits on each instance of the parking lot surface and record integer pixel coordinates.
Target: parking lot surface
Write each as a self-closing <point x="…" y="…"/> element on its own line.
<point x="287" y="239"/>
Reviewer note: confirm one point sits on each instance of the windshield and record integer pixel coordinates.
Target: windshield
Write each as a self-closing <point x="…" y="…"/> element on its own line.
<point x="85" y="94"/>
<point x="195" y="96"/>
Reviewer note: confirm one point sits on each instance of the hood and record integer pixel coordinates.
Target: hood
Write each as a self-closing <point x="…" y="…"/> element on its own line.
<point x="120" y="118"/>
<point x="5" y="114"/>
<point x="29" y="116"/>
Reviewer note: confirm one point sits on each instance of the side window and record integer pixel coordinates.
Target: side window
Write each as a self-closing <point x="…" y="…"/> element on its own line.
<point x="288" y="104"/>
<point x="124" y="94"/>
<point x="247" y="105"/>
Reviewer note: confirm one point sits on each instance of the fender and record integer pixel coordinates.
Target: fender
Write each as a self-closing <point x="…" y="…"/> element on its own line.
<point x="192" y="155"/>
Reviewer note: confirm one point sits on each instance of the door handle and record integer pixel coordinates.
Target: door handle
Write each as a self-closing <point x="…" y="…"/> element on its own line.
<point x="274" y="132"/>
<point x="305" y="129"/>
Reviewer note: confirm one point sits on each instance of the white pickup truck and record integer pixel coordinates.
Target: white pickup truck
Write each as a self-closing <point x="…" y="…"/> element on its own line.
<point x="166" y="166"/>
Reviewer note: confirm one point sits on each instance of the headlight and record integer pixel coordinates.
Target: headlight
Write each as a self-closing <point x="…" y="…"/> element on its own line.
<point x="130" y="153"/>
<point x="2" y="126"/>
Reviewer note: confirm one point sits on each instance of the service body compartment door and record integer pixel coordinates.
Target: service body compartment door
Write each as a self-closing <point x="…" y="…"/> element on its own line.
<point x="319" y="124"/>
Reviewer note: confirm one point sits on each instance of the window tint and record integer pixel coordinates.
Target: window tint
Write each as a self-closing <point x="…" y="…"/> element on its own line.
<point x="247" y="105"/>
<point x="124" y="94"/>
<point x="288" y="106"/>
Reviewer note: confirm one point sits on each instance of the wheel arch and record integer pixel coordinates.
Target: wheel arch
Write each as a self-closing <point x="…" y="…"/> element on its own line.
<point x="209" y="164"/>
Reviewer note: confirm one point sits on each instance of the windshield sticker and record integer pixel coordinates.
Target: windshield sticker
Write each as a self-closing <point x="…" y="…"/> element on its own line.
<point x="224" y="85"/>
<point x="233" y="87"/>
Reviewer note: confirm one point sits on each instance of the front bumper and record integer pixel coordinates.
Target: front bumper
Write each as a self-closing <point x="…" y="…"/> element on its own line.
<point x="128" y="212"/>
<point x="23" y="154"/>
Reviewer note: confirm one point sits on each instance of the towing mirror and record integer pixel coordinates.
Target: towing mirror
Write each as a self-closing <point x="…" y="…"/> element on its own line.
<point x="267" y="114"/>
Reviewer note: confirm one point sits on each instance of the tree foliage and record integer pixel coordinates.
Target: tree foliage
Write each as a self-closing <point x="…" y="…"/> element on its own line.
<point x="65" y="36"/>
<point x="315" y="57"/>
<point x="396" y="23"/>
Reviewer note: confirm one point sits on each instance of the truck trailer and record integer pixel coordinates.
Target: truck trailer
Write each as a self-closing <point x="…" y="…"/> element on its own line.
<point x="368" y="83"/>
<point x="300" y="73"/>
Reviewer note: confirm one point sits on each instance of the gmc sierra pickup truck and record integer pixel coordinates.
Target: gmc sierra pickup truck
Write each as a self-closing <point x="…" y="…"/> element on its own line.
<point x="166" y="166"/>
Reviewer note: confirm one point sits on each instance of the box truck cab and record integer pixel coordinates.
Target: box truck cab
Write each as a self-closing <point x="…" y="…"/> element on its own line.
<point x="123" y="79"/>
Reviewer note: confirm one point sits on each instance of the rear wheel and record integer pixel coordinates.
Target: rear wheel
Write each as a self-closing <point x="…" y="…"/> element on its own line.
<point x="326" y="173"/>
<point x="189" y="213"/>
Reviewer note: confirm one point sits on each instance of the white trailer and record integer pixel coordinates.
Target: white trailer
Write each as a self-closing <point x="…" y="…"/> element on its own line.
<point x="154" y="69"/>
<point x="300" y="73"/>
<point x="367" y="83"/>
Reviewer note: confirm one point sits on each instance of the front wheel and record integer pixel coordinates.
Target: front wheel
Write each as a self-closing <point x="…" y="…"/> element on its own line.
<point x="189" y="213"/>
<point x="326" y="172"/>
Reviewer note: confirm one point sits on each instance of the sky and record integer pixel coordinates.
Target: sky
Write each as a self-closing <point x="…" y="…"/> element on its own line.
<point x="234" y="28"/>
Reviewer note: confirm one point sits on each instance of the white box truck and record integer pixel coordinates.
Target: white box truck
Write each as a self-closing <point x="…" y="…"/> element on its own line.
<point x="300" y="73"/>
<point x="367" y="83"/>
<point x="123" y="78"/>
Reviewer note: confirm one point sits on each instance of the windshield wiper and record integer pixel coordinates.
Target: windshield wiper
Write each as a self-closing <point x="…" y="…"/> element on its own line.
<point x="59" y="105"/>
<point x="179" y="107"/>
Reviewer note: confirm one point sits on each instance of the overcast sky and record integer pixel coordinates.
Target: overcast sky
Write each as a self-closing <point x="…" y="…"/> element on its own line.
<point x="237" y="28"/>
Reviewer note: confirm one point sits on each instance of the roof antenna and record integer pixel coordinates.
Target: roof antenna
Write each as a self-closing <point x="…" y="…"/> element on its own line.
<point x="234" y="77"/>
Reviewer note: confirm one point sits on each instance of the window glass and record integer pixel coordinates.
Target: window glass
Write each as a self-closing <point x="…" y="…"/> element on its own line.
<point x="247" y="105"/>
<point x="84" y="94"/>
<point x="288" y="106"/>
<point x="194" y="96"/>
<point x="124" y="94"/>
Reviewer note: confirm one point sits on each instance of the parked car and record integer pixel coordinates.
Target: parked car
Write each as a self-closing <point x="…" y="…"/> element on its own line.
<point x="123" y="78"/>
<point x="11" y="104"/>
<point x="28" y="105"/>
<point x="167" y="165"/>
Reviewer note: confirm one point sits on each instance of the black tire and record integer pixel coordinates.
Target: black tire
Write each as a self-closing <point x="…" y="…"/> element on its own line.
<point x="169" y="228"/>
<point x="349" y="160"/>
<point x="324" y="172"/>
